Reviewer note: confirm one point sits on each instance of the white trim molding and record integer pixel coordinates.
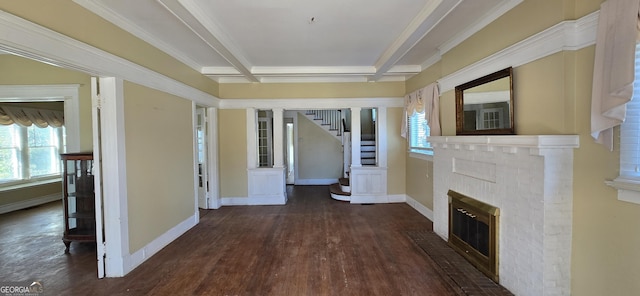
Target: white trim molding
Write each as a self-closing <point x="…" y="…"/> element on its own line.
<point x="567" y="35"/>
<point x="628" y="189"/>
<point x="312" y="103"/>
<point x="423" y="210"/>
<point x="134" y="260"/>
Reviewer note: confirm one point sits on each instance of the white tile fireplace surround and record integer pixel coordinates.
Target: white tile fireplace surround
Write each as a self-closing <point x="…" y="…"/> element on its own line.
<point x="530" y="178"/>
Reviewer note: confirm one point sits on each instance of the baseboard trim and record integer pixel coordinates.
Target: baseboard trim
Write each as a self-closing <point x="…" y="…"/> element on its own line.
<point x="420" y="208"/>
<point x="253" y="201"/>
<point x="396" y="198"/>
<point x="134" y="260"/>
<point x="23" y="204"/>
<point x="315" y="181"/>
<point x="361" y="199"/>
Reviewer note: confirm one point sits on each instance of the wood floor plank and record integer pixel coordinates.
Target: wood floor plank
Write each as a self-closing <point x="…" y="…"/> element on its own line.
<point x="314" y="245"/>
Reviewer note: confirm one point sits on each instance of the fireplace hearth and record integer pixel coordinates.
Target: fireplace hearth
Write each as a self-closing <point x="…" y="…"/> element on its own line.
<point x="473" y="229"/>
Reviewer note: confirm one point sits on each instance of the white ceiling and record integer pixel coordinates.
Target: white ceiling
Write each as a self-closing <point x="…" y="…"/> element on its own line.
<point x="303" y="40"/>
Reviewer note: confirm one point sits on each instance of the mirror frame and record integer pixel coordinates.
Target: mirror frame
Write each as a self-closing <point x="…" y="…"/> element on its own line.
<point x="508" y="72"/>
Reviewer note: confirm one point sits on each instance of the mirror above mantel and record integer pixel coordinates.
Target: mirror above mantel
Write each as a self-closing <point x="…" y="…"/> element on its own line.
<point x="484" y="106"/>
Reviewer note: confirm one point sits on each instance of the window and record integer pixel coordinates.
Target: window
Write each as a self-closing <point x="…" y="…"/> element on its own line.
<point x="29" y="153"/>
<point x="629" y="132"/>
<point x="418" y="133"/>
<point x="265" y="139"/>
<point x="628" y="182"/>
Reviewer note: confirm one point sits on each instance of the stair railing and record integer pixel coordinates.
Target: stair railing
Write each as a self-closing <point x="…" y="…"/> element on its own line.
<point x="331" y="118"/>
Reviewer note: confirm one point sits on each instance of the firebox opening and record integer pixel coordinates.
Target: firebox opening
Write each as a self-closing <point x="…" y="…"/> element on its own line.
<point x="473" y="229"/>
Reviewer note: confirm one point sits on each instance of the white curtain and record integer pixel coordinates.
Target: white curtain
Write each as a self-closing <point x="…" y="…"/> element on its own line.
<point x="427" y="100"/>
<point x="613" y="73"/>
<point x="28" y="116"/>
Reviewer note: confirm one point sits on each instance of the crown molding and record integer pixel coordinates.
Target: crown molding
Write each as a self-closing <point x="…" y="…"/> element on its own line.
<point x="216" y="71"/>
<point x="316" y="103"/>
<point x="313" y="71"/>
<point x="24" y="38"/>
<point x="567" y="35"/>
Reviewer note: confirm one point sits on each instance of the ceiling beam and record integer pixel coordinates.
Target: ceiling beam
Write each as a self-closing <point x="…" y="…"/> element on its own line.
<point x="189" y="13"/>
<point x="430" y="15"/>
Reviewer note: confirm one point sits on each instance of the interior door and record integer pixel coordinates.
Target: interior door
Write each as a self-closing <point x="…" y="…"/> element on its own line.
<point x="97" y="172"/>
<point x="201" y="142"/>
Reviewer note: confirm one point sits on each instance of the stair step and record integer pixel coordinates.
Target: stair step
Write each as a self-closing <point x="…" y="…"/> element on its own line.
<point x="344" y="181"/>
<point x="368" y="154"/>
<point x="367" y="143"/>
<point x="338" y="194"/>
<point x="368" y="161"/>
<point x="370" y="137"/>
<point x="368" y="149"/>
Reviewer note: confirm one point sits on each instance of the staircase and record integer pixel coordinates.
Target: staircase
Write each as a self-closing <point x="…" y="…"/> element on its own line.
<point x="329" y="120"/>
<point x="342" y="190"/>
<point x="368" y="150"/>
<point x="332" y="122"/>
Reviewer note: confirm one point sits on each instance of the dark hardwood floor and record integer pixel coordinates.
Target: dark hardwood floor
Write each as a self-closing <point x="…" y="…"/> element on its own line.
<point x="312" y="246"/>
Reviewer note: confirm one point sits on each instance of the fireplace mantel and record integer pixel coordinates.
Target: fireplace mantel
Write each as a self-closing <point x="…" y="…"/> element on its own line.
<point x="532" y="141"/>
<point x="530" y="178"/>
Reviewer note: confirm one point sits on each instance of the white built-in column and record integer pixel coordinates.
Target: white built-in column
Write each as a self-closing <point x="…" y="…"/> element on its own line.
<point x="266" y="186"/>
<point x="355" y="137"/>
<point x="278" y="141"/>
<point x="252" y="139"/>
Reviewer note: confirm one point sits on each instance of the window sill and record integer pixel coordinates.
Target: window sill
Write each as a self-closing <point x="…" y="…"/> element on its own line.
<point x="628" y="189"/>
<point x="421" y="155"/>
<point x="29" y="184"/>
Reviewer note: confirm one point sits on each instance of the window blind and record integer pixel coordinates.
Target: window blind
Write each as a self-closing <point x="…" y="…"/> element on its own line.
<point x="418" y="133"/>
<point x="630" y="130"/>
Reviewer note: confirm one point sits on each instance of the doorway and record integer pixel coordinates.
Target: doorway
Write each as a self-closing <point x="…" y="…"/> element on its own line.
<point x="289" y="151"/>
<point x="202" y="159"/>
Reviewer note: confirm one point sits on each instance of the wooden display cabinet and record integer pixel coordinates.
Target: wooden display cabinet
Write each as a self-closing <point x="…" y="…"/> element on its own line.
<point x="78" y="198"/>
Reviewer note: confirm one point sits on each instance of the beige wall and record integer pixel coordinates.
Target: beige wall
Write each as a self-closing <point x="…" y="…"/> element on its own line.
<point x="232" y="133"/>
<point x="319" y="154"/>
<point x="22" y="194"/>
<point x="159" y="162"/>
<point x="21" y="71"/>
<point x="553" y="96"/>
<point x="396" y="151"/>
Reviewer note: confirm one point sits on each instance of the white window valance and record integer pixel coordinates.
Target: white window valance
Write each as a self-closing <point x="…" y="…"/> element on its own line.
<point x="613" y="73"/>
<point x="425" y="100"/>
<point x="27" y="116"/>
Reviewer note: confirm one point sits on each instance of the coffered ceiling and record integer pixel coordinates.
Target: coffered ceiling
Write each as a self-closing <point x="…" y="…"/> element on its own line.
<point x="303" y="40"/>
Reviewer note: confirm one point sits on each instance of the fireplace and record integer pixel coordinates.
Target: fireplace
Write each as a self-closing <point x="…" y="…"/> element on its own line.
<point x="530" y="179"/>
<point x="473" y="232"/>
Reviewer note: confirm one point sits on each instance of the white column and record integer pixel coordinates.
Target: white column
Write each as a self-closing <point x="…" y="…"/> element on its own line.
<point x="355" y="137"/>
<point x="278" y="146"/>
<point x="114" y="176"/>
<point x="252" y="139"/>
<point x="213" y="174"/>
